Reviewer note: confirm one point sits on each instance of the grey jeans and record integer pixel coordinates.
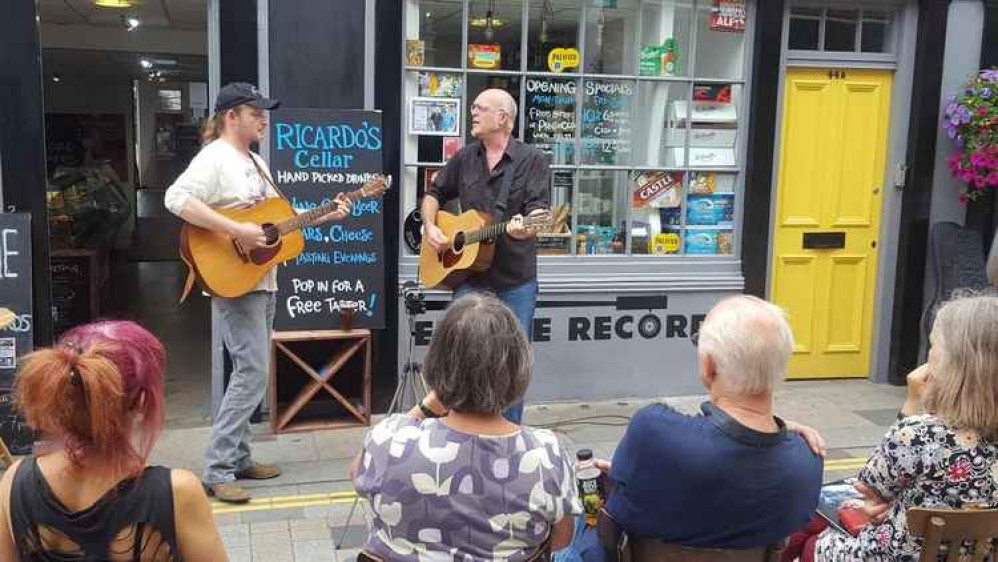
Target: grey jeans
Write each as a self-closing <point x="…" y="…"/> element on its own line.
<point x="246" y="323"/>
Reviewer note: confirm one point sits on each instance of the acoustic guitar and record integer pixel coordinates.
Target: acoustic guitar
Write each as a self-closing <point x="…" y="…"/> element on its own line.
<point x="226" y="269"/>
<point x="472" y="245"/>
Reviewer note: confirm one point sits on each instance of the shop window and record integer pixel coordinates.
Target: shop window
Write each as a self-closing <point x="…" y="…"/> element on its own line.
<point x="553" y="37"/>
<point x="660" y="134"/>
<point x="549" y="112"/>
<point x="665" y="38"/>
<point x="635" y="103"/>
<point x="656" y="212"/>
<point x="435" y="39"/>
<point x="607" y="122"/>
<point x="495" y="28"/>
<point x="610" y="29"/>
<point x="602" y="212"/>
<point x="720" y="42"/>
<point x="709" y="215"/>
<point x="478" y="83"/>
<point x="558" y="240"/>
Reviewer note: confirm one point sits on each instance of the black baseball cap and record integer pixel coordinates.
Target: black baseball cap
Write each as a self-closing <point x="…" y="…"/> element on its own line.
<point x="242" y="93"/>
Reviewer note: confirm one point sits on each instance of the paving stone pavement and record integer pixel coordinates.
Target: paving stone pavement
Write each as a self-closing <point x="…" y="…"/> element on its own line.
<point x="304" y="515"/>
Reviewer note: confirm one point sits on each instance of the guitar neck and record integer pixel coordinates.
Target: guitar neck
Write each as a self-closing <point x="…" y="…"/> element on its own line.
<point x="493" y="231"/>
<point x="309" y="217"/>
<point x="487" y="233"/>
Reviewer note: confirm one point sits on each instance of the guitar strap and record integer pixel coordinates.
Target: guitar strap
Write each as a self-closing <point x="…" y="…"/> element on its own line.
<point x="267" y="178"/>
<point x="502" y="198"/>
<point x="191" y="273"/>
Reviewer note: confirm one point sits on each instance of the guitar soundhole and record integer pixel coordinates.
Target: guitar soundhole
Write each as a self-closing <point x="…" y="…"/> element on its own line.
<point x="271" y="232"/>
<point x="459" y="243"/>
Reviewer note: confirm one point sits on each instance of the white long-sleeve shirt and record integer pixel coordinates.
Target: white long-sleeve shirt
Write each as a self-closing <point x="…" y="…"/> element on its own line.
<point x="222" y="177"/>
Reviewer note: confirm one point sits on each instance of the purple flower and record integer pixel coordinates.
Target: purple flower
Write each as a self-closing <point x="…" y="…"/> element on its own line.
<point x="990" y="74"/>
<point x="951" y="132"/>
<point x="986" y="93"/>
<point x="954" y="120"/>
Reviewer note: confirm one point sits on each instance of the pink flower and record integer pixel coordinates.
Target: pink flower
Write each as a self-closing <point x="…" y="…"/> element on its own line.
<point x="993" y="178"/>
<point x="982" y="111"/>
<point x="883" y="536"/>
<point x="954" y="161"/>
<point x="959" y="471"/>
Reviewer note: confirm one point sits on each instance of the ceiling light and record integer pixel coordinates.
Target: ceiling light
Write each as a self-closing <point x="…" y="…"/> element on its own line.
<point x="55" y="78"/>
<point x="485" y="22"/>
<point x="130" y="22"/>
<point x="145" y="63"/>
<point x="113" y="3"/>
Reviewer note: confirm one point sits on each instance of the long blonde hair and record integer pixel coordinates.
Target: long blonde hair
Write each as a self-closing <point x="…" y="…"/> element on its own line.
<point x="964" y="387"/>
<point x="212" y="128"/>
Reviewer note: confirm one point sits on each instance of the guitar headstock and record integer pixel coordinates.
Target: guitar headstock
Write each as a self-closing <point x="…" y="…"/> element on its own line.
<point x="376" y="186"/>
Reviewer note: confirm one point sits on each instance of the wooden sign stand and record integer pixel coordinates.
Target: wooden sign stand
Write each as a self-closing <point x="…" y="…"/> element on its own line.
<point x="354" y="341"/>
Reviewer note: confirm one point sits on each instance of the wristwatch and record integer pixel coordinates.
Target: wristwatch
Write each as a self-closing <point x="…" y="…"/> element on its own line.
<point x="427" y="412"/>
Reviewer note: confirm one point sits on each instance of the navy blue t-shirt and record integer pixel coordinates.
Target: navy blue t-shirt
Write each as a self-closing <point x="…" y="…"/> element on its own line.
<point x="709" y="481"/>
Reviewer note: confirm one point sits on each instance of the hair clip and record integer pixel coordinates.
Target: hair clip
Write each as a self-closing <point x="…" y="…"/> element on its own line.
<point x="74" y="377"/>
<point x="72" y="345"/>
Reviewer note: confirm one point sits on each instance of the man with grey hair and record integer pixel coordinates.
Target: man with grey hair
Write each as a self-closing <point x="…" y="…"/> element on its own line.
<point x="509" y="180"/>
<point x="735" y="476"/>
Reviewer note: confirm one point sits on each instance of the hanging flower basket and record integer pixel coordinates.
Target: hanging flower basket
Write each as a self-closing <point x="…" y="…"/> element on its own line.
<point x="971" y="120"/>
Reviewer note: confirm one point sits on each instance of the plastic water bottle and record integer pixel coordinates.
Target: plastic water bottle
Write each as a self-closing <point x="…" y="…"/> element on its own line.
<point x="590" y="483"/>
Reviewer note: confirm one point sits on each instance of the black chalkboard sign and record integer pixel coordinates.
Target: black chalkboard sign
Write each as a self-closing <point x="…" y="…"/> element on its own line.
<point x="550" y="112"/>
<point x="74" y="288"/>
<point x="315" y="154"/>
<point x="15" y="292"/>
<point x="16" y="337"/>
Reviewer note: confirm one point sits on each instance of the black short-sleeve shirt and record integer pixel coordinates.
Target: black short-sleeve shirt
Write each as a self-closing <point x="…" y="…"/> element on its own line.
<point x="467" y="178"/>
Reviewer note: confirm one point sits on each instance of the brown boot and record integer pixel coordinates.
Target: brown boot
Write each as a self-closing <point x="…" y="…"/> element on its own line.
<point x="229" y="492"/>
<point x="257" y="471"/>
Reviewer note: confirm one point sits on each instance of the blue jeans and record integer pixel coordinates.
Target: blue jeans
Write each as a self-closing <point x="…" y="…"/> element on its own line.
<point x="521" y="299"/>
<point x="246" y="325"/>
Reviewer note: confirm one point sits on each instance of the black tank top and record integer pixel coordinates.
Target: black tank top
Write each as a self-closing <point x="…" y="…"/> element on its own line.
<point x="133" y="522"/>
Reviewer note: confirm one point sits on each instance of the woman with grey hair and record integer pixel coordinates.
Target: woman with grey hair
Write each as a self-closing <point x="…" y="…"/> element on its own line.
<point x="946" y="457"/>
<point x="453" y="478"/>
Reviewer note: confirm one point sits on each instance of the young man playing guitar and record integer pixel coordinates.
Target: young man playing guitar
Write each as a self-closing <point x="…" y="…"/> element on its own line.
<point x="226" y="174"/>
<point x="481" y="176"/>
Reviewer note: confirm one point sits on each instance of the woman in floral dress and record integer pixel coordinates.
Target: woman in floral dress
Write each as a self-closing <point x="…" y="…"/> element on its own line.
<point x="944" y="458"/>
<point x="453" y="480"/>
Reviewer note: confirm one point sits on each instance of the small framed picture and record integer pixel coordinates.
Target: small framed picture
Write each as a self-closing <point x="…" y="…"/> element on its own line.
<point x="435" y="116"/>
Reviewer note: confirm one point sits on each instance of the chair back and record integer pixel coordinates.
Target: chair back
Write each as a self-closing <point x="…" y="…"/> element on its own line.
<point x="952" y="527"/>
<point x="623" y="548"/>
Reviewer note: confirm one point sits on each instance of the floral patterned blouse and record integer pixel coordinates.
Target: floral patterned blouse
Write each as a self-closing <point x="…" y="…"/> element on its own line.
<point x="922" y="462"/>
<point x="438" y="494"/>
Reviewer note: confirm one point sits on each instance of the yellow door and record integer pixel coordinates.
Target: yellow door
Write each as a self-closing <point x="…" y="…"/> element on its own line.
<point x="829" y="192"/>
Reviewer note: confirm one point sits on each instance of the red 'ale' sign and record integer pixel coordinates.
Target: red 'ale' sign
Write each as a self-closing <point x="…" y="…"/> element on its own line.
<point x="728" y="15"/>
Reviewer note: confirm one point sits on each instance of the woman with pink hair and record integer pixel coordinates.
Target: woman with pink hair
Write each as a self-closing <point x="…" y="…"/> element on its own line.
<point x="96" y="399"/>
